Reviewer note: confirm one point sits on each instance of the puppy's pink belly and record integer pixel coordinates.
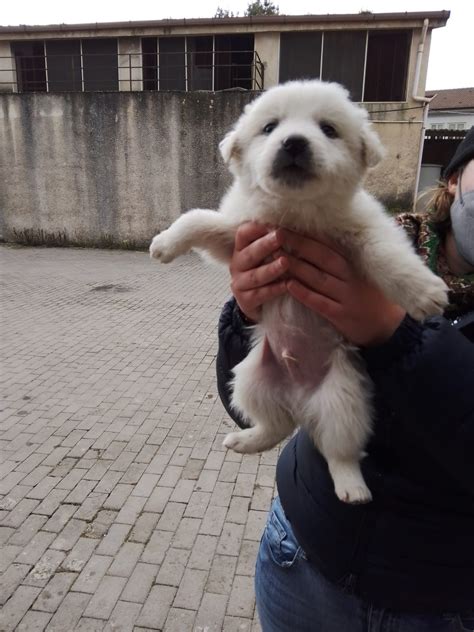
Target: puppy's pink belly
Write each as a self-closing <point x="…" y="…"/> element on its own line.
<point x="295" y="360"/>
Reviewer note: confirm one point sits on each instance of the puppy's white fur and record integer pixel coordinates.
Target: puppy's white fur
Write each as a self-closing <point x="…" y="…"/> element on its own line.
<point x="300" y="370"/>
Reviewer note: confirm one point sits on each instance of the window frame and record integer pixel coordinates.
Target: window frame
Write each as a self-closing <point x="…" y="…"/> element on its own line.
<point x="407" y="32"/>
<point x="215" y="53"/>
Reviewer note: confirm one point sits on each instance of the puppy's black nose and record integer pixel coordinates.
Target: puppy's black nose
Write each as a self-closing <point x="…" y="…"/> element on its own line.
<point x="295" y="145"/>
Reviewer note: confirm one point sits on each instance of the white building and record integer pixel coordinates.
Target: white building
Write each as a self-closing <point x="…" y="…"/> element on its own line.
<point x="451" y="109"/>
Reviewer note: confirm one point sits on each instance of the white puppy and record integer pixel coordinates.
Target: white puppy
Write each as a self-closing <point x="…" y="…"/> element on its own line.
<point x="298" y="154"/>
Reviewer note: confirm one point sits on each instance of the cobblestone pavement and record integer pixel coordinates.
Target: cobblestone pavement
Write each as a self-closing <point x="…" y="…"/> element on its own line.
<point x="119" y="508"/>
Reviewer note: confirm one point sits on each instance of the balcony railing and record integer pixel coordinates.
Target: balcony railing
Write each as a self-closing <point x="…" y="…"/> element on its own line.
<point x="191" y="70"/>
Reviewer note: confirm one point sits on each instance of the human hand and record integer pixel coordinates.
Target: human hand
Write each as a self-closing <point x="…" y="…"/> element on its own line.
<point x="256" y="274"/>
<point x="324" y="280"/>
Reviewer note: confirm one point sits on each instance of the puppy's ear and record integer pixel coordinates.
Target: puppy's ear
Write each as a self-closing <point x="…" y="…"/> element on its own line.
<point x="229" y="148"/>
<point x="372" y="149"/>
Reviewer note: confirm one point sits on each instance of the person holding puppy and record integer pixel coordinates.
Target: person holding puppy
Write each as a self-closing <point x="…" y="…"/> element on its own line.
<point x="405" y="561"/>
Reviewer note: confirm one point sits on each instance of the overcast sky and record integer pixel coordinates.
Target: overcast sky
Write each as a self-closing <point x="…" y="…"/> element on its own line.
<point x="452" y="52"/>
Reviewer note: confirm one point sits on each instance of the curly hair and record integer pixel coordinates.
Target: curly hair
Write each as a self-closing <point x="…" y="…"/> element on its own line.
<point x="439" y="206"/>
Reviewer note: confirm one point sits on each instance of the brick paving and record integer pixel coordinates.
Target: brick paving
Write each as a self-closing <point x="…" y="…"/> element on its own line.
<point x="119" y="508"/>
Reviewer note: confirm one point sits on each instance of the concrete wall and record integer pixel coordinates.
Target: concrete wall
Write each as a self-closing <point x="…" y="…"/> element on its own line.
<point x="120" y="164"/>
<point x="126" y="164"/>
<point x="393" y="180"/>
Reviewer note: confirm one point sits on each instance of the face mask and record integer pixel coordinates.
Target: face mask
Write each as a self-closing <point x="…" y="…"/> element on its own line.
<point x="462" y="222"/>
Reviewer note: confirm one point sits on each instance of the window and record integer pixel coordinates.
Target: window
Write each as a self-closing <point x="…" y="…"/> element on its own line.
<point x="64" y="65"/>
<point x="300" y="55"/>
<point x="200" y="62"/>
<point x="30" y="66"/>
<point x="150" y="63"/>
<point x="100" y="64"/>
<point x="233" y="61"/>
<point x="207" y="62"/>
<point x="343" y="60"/>
<point x="461" y="126"/>
<point x="372" y="65"/>
<point x="171" y="63"/>
<point x="387" y="65"/>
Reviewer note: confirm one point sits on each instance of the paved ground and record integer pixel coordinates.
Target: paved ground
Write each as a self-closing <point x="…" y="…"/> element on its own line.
<point x="119" y="509"/>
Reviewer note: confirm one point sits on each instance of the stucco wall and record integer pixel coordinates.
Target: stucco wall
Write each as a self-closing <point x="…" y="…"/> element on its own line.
<point x="126" y="164"/>
<point x="121" y="164"/>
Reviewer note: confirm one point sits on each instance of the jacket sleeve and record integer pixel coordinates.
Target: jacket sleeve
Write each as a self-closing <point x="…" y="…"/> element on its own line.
<point x="234" y="345"/>
<point x="425" y="373"/>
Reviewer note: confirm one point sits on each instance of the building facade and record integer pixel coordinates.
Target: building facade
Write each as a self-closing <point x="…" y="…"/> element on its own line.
<point x="373" y="55"/>
<point x="127" y="76"/>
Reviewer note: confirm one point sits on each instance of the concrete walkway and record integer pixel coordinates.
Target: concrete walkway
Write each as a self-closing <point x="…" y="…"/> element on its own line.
<point x="119" y="508"/>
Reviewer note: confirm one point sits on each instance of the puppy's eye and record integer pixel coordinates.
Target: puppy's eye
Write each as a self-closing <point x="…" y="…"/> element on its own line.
<point x="269" y="127"/>
<point x="329" y="130"/>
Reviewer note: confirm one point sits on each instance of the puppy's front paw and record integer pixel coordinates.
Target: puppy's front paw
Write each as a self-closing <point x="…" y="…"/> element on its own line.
<point x="164" y="248"/>
<point x="431" y="301"/>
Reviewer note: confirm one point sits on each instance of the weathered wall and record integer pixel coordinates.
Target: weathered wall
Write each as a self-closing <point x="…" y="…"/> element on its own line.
<point x="126" y="164"/>
<point x="399" y="127"/>
<point x="121" y="164"/>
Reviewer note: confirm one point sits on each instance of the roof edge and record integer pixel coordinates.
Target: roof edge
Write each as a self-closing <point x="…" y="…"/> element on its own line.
<point x="441" y="90"/>
<point x="368" y="16"/>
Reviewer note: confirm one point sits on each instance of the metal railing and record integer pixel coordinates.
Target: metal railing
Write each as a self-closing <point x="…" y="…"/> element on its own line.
<point x="138" y="71"/>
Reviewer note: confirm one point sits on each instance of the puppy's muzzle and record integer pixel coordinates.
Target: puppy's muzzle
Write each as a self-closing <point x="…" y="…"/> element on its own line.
<point x="293" y="164"/>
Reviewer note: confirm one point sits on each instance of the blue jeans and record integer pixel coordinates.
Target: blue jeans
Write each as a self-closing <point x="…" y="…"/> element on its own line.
<point x="292" y="596"/>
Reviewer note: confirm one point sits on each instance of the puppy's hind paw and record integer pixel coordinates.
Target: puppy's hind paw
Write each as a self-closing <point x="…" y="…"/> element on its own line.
<point x="242" y="442"/>
<point x="349" y="483"/>
<point x="356" y="495"/>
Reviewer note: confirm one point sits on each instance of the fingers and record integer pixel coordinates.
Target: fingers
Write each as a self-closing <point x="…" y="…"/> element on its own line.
<point x="255" y="287"/>
<point x="256" y="274"/>
<point x="318" y="253"/>
<point x="249" y="232"/>
<point x="265" y="259"/>
<point x="316" y="279"/>
<point x="323" y="305"/>
<point x="258" y="277"/>
<point x="253" y="254"/>
<point x="251" y="301"/>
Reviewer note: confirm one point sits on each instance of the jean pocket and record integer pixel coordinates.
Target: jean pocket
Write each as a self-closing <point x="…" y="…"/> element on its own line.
<point x="282" y="544"/>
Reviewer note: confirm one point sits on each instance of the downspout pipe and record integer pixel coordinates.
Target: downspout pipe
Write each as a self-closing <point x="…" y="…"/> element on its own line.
<point x="420" y="99"/>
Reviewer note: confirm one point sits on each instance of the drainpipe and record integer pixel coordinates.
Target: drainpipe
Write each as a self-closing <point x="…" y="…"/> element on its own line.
<point x="420" y="99"/>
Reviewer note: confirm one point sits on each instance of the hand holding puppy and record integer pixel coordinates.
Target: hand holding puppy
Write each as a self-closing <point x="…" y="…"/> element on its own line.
<point x="325" y="281"/>
<point x="256" y="276"/>
<point x="316" y="275"/>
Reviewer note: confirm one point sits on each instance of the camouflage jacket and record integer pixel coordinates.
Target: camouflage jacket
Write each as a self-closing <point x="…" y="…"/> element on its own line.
<point x="428" y="244"/>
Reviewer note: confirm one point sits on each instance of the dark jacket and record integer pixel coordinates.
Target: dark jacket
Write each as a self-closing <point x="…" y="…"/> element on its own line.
<point x="412" y="547"/>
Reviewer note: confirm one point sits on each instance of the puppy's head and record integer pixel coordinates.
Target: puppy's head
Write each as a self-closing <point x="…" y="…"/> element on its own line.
<point x="304" y="138"/>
